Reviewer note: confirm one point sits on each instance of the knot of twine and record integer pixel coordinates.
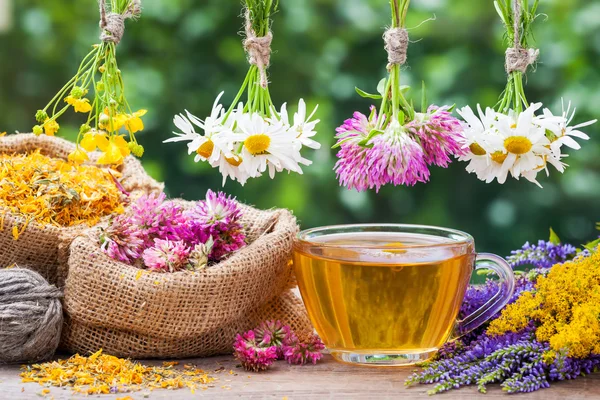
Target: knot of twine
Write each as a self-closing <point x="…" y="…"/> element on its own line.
<point x="258" y="49"/>
<point x="396" y="45"/>
<point x="113" y="24"/>
<point x="30" y="316"/>
<point x="517" y="58"/>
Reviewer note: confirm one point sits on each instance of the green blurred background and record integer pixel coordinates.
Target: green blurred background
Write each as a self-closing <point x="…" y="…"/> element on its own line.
<point x="182" y="53"/>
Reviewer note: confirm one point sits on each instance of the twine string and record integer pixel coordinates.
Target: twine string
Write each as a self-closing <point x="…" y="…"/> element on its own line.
<point x="517" y="58"/>
<point x="258" y="49"/>
<point x="396" y="45"/>
<point x="112" y="24"/>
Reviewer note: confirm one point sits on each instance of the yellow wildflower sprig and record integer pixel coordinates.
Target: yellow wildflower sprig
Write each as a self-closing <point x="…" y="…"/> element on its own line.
<point x="108" y="111"/>
<point x="565" y="307"/>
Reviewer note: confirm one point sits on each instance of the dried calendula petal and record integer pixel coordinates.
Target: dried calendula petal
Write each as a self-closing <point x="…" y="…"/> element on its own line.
<point x="52" y="191"/>
<point x="104" y="374"/>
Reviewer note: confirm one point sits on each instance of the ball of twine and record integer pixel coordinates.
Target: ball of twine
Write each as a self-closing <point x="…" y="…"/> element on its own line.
<point x="30" y="316"/>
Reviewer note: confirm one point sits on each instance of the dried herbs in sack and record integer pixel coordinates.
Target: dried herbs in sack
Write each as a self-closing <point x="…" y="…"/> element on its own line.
<point x="165" y="271"/>
<point x="43" y="196"/>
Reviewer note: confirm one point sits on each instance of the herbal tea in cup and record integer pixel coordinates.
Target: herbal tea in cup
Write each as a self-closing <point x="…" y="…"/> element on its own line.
<point x="390" y="294"/>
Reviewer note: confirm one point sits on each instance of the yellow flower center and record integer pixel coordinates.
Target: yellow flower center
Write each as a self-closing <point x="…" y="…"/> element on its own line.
<point x="206" y="149"/>
<point x="233" y="161"/>
<point x="517" y="144"/>
<point x="477" y="149"/>
<point x="499" y="157"/>
<point x="257" y="144"/>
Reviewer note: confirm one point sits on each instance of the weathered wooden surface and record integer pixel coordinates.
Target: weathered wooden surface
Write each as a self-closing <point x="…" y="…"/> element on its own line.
<point x="327" y="380"/>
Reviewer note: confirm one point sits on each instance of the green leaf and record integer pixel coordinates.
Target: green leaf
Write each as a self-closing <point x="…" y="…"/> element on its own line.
<point x="366" y="95"/>
<point x="381" y="86"/>
<point x="554" y="239"/>
<point x="338" y="144"/>
<point x="591" y="246"/>
<point x="374" y="132"/>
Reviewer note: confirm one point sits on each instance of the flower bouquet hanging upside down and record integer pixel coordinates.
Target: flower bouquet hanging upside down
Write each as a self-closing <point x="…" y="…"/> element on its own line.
<point x="516" y="137"/>
<point x="248" y="139"/>
<point x="108" y="113"/>
<point x="395" y="144"/>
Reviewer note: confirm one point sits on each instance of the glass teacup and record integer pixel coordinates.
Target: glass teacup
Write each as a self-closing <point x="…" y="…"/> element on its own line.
<point x="388" y="294"/>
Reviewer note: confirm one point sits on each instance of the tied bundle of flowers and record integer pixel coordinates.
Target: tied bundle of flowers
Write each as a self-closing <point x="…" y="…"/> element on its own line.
<point x="108" y="113"/>
<point x="161" y="236"/>
<point x="248" y="139"/>
<point x="546" y="333"/>
<point x="259" y="348"/>
<point x="395" y="145"/>
<point x="516" y="138"/>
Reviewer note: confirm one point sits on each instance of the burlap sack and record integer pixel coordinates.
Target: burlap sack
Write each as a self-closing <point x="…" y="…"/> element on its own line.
<point x="85" y="339"/>
<point x="100" y="291"/>
<point x="37" y="247"/>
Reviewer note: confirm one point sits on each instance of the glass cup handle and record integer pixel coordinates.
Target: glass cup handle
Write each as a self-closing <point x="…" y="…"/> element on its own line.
<point x="497" y="302"/>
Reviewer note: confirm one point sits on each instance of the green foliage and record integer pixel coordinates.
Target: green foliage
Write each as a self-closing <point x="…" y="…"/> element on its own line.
<point x="182" y="53"/>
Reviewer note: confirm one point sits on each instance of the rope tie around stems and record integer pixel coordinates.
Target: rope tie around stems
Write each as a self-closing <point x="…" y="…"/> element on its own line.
<point x="517" y="58"/>
<point x="258" y="49"/>
<point x="396" y="45"/>
<point x="113" y="24"/>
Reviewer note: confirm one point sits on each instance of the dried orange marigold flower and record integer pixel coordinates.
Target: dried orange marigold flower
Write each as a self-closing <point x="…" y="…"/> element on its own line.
<point x="52" y="191"/>
<point x="103" y="374"/>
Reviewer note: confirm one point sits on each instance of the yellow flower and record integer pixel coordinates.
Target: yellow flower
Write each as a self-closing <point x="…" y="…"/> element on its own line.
<point x="118" y="121"/>
<point x="70" y="100"/>
<point x="134" y="123"/>
<point x="78" y="156"/>
<point x="115" y="151"/>
<point x="82" y="106"/>
<point x="51" y="127"/>
<point x="93" y="139"/>
<point x="565" y="307"/>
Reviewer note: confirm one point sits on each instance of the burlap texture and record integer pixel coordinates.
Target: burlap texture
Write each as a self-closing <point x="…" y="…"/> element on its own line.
<point x="37" y="247"/>
<point x="103" y="292"/>
<point x="85" y="339"/>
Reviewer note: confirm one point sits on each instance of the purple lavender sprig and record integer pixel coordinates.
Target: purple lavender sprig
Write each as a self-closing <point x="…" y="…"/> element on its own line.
<point x="543" y="255"/>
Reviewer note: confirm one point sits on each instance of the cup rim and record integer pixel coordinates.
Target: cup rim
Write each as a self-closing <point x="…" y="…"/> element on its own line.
<point x="465" y="237"/>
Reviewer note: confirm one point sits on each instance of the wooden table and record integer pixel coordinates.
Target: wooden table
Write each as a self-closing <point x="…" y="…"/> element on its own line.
<point x="327" y="380"/>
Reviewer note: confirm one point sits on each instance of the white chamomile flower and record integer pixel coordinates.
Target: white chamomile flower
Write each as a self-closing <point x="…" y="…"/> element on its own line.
<point x="266" y="144"/>
<point x="302" y="125"/>
<point x="524" y="145"/>
<point x="561" y="132"/>
<point x="208" y="146"/>
<point x="231" y="167"/>
<point x="478" y="131"/>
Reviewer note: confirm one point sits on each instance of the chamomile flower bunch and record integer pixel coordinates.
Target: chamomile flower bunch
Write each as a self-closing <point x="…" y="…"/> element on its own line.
<point x="249" y="139"/>
<point x="517" y="137"/>
<point x="111" y="124"/>
<point x="395" y="144"/>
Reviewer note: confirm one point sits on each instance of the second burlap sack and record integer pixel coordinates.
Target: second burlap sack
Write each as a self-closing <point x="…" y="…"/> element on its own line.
<point x="104" y="293"/>
<point x="37" y="246"/>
